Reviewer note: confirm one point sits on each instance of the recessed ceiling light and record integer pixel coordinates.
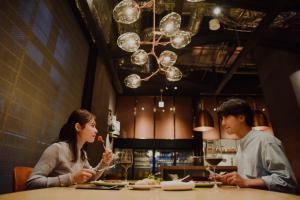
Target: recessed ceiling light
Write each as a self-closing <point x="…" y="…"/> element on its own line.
<point x="217" y="10"/>
<point x="175" y="87"/>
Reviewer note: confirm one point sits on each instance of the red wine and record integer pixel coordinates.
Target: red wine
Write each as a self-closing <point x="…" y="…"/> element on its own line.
<point x="213" y="161"/>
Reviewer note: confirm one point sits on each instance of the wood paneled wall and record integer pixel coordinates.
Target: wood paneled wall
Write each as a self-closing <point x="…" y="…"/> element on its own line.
<point x="144" y="123"/>
<point x="151" y="122"/>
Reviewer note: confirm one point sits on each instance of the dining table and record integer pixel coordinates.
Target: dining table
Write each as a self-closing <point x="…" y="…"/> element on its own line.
<point x="221" y="193"/>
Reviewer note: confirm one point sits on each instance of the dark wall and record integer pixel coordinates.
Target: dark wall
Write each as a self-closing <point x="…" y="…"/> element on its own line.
<point x="279" y="76"/>
<point x="43" y="57"/>
<point x="103" y="100"/>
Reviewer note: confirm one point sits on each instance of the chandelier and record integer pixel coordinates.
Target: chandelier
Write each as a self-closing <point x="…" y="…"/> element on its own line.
<point x="127" y="12"/>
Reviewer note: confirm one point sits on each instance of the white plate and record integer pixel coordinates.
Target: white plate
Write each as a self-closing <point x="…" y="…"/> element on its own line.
<point x="109" y="183"/>
<point x="177" y="185"/>
<point x="142" y="187"/>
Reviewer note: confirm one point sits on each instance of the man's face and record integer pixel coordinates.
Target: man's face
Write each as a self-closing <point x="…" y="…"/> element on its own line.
<point x="231" y="124"/>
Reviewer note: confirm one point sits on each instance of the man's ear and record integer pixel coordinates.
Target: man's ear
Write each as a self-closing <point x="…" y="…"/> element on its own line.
<point x="242" y="118"/>
<point x="77" y="127"/>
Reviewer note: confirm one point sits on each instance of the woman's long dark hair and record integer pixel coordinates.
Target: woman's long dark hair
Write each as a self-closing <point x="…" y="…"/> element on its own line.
<point x="68" y="132"/>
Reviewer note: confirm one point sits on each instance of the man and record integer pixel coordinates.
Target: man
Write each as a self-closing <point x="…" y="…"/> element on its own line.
<point x="260" y="157"/>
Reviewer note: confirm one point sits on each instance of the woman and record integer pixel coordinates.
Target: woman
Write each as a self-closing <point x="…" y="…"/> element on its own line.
<point x="65" y="162"/>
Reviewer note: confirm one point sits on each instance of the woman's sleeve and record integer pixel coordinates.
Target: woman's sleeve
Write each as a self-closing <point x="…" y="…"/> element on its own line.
<point x="47" y="163"/>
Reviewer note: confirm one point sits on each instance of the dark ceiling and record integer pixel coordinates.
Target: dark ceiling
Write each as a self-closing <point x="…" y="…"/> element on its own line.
<point x="215" y="62"/>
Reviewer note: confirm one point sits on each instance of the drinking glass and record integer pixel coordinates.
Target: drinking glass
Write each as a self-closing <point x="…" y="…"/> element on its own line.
<point x="125" y="160"/>
<point x="213" y="156"/>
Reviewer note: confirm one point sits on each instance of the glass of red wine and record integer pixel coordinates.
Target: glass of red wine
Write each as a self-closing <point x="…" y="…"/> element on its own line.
<point x="213" y="156"/>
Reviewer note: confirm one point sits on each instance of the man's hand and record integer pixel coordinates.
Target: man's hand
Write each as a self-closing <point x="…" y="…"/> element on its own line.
<point x="232" y="178"/>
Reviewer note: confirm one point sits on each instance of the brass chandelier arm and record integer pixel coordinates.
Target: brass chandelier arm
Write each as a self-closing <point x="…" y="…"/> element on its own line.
<point x="148" y="77"/>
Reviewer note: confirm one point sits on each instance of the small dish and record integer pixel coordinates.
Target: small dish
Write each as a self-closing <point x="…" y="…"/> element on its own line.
<point x="109" y="183"/>
<point x="206" y="183"/>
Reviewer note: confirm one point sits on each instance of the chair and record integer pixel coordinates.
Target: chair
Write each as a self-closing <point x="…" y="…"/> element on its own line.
<point x="21" y="174"/>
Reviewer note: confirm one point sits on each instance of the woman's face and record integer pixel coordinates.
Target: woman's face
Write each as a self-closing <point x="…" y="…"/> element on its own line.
<point x="88" y="132"/>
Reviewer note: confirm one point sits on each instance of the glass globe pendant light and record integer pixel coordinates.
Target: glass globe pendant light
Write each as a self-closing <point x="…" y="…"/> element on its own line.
<point x="170" y="24"/>
<point x="129" y="42"/>
<point x="181" y="39"/>
<point x="126" y="12"/>
<point x="133" y="81"/>
<point x="139" y="57"/>
<point x="173" y="74"/>
<point x="167" y="58"/>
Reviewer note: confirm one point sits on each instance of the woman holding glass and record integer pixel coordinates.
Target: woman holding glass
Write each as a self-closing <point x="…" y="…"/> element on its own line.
<point x="65" y="162"/>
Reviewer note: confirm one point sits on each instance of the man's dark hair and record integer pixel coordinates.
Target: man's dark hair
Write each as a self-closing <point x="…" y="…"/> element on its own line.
<point x="236" y="107"/>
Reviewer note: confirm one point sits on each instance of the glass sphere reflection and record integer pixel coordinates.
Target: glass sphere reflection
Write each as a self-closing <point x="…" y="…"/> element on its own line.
<point x="126" y="12"/>
<point x="139" y="57"/>
<point x="133" y="81"/>
<point x="129" y="42"/>
<point x="167" y="58"/>
<point x="170" y="24"/>
<point x="173" y="74"/>
<point x="181" y="39"/>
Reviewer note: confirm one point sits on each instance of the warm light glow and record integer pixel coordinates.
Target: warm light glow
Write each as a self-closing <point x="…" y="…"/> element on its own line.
<point x="217" y="11"/>
<point x="181" y="39"/>
<point x="129" y="42"/>
<point x="133" y="81"/>
<point x="126" y="12"/>
<point x="214" y="24"/>
<point x="170" y="24"/>
<point x="173" y="74"/>
<point x="167" y="58"/>
<point x="140" y="57"/>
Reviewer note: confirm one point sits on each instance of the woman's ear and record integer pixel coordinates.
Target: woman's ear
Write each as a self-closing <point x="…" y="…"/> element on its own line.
<point x="77" y="127"/>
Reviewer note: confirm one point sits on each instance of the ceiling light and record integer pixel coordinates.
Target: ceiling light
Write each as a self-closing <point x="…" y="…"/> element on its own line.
<point x="127" y="12"/>
<point x="203" y="121"/>
<point x="173" y="74"/>
<point x="140" y="57"/>
<point x="167" y="58"/>
<point x="217" y="11"/>
<point x="214" y="24"/>
<point x="133" y="81"/>
<point x="129" y="42"/>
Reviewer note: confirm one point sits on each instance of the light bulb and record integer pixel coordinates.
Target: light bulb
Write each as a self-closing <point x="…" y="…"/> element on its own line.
<point x="214" y="24"/>
<point x="173" y="74"/>
<point x="181" y="39"/>
<point x="133" y="81"/>
<point x="129" y="42"/>
<point x="139" y="57"/>
<point x="167" y="58"/>
<point x="126" y="12"/>
<point x="217" y="10"/>
<point x="170" y="24"/>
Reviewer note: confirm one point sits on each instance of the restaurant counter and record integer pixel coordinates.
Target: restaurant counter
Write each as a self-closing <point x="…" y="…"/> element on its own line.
<point x="224" y="193"/>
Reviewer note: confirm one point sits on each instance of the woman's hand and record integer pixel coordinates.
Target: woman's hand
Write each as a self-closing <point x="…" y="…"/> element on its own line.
<point x="106" y="157"/>
<point x="82" y="176"/>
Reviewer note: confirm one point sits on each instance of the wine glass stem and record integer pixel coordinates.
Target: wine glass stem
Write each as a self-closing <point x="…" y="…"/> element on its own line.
<point x="215" y="183"/>
<point x="125" y="175"/>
